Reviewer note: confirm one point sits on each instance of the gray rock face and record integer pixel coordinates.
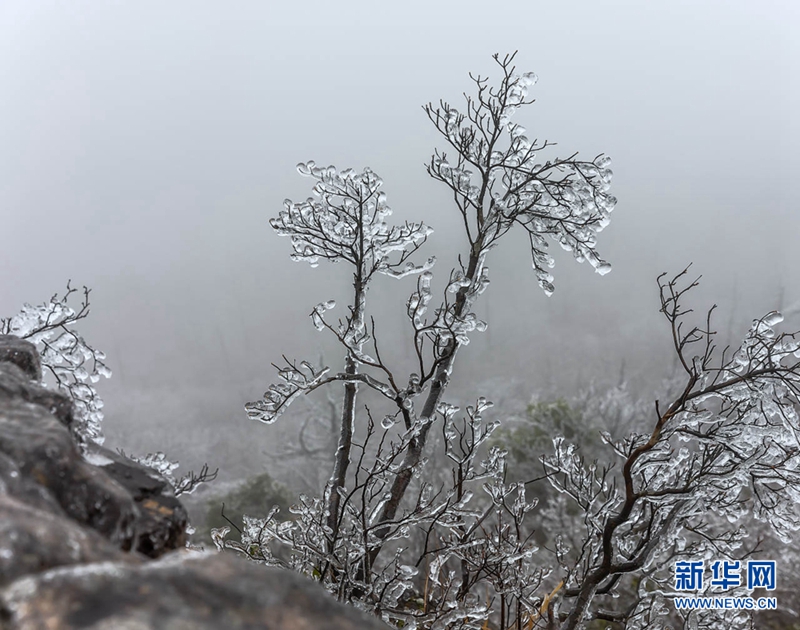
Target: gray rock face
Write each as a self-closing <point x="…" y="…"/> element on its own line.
<point x="15" y="386"/>
<point x="44" y="452"/>
<point x="129" y="504"/>
<point x="22" y="354"/>
<point x="162" y="520"/>
<point x="179" y="592"/>
<point x="96" y="540"/>
<point x="33" y="540"/>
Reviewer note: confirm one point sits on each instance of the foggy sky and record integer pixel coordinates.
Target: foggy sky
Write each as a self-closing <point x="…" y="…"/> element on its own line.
<point x="145" y="145"/>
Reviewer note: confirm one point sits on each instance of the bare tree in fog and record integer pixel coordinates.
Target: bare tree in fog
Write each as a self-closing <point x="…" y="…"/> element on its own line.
<point x="441" y="539"/>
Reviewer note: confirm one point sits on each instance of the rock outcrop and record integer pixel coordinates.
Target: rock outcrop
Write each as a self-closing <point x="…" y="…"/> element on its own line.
<point x="177" y="592"/>
<point x="94" y="540"/>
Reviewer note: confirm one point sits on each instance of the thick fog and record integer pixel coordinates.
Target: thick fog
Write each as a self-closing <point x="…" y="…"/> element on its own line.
<point x="145" y="145"/>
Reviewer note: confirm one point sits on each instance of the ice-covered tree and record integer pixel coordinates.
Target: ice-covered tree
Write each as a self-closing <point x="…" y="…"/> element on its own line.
<point x="723" y="450"/>
<point x="345" y="221"/>
<point x="444" y="540"/>
<point x="498" y="181"/>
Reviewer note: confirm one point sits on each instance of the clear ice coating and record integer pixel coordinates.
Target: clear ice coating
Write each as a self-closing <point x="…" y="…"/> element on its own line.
<point x="346" y="220"/>
<point x="466" y="517"/>
<point x="66" y="358"/>
<point x="721" y="459"/>
<point x="565" y="200"/>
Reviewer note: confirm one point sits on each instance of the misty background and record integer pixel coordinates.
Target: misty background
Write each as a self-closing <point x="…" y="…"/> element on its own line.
<point x="144" y="146"/>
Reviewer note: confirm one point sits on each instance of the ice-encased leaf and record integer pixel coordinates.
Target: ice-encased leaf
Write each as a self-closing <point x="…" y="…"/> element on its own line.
<point x="773" y="318"/>
<point x="294" y="380"/>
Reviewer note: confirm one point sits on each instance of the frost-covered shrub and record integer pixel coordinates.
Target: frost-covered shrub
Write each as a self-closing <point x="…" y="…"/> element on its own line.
<point x="256" y="495"/>
<point x="73" y="366"/>
<point x="68" y="361"/>
<point x="166" y="468"/>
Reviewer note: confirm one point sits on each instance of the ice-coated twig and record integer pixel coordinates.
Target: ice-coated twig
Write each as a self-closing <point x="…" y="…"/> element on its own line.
<point x="66" y="357"/>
